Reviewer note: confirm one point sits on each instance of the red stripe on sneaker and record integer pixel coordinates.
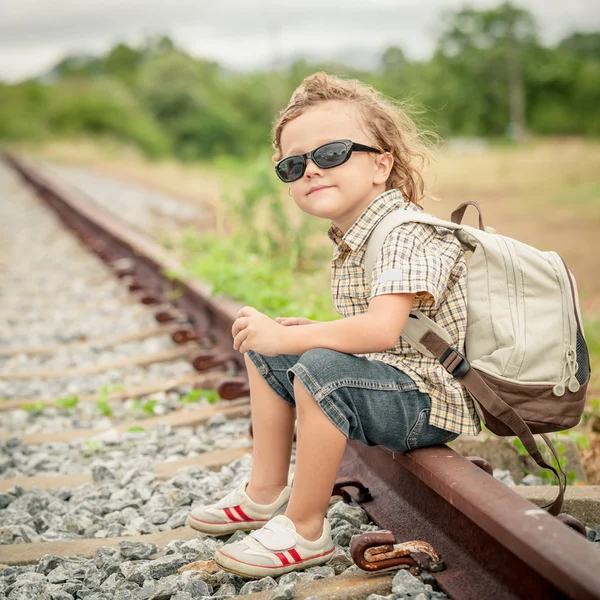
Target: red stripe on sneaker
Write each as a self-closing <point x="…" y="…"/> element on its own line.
<point x="231" y="515"/>
<point x="294" y="554"/>
<point x="283" y="558"/>
<point x="242" y="514"/>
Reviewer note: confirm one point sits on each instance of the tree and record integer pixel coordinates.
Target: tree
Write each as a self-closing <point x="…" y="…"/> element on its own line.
<point x="486" y="50"/>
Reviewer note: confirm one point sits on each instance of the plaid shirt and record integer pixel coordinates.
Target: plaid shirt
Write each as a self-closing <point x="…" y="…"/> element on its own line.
<point x="416" y="258"/>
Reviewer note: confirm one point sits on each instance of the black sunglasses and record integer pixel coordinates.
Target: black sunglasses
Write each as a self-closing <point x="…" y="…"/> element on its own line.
<point x="327" y="156"/>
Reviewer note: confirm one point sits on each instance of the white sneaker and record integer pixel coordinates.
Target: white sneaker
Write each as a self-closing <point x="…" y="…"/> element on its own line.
<point x="236" y="511"/>
<point x="275" y="549"/>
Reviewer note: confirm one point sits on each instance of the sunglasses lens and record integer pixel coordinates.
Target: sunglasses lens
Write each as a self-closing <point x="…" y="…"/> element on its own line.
<point x="331" y="155"/>
<point x="290" y="168"/>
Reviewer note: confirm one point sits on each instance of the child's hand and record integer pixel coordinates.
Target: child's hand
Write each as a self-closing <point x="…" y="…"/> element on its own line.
<point x="253" y="330"/>
<point x="287" y="321"/>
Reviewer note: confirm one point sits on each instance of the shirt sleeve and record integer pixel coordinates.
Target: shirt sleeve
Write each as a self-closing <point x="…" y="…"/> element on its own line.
<point x="415" y="258"/>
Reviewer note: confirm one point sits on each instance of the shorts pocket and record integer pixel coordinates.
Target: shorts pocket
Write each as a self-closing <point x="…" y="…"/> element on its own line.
<point x="415" y="432"/>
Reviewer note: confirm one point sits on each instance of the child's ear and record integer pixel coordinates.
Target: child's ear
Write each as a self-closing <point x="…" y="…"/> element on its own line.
<point x="383" y="163"/>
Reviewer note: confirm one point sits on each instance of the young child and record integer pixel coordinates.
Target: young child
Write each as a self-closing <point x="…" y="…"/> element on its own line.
<point x="350" y="156"/>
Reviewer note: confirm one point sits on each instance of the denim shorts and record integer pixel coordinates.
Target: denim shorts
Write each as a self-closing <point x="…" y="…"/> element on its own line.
<point x="367" y="400"/>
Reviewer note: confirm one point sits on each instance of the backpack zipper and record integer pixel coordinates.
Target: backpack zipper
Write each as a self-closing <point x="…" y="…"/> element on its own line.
<point x="570" y="364"/>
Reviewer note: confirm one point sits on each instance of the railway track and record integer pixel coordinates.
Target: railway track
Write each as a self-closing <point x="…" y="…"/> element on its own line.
<point x="108" y="363"/>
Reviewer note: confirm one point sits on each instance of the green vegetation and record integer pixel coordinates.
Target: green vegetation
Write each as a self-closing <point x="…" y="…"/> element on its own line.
<point x="547" y="477"/>
<point x="67" y="403"/>
<point x="136" y="429"/>
<point x="147" y="406"/>
<point x="102" y="403"/>
<point x="490" y="75"/>
<point x="34" y="407"/>
<point x="268" y="259"/>
<point x="211" y="396"/>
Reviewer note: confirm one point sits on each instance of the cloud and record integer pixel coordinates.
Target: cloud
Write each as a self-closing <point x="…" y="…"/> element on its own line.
<point x="246" y="34"/>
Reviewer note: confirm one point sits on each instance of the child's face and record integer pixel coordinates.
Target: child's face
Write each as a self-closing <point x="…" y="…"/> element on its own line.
<point x="349" y="188"/>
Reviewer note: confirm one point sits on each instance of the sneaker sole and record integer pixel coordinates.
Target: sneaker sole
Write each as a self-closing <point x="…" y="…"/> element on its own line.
<point x="233" y="565"/>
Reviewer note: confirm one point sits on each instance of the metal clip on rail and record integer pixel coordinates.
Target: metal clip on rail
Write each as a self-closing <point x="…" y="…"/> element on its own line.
<point x="378" y="551"/>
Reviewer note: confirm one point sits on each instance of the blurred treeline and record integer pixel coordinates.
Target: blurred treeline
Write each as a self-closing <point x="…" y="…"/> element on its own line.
<point x="489" y="76"/>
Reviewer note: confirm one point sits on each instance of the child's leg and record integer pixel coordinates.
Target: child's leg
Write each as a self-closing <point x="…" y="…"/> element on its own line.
<point x="319" y="449"/>
<point x="273" y="430"/>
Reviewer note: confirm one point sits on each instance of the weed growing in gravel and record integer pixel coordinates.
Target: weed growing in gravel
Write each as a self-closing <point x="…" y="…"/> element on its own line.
<point x="211" y="396"/>
<point x="90" y="447"/>
<point x="67" y="403"/>
<point x="147" y="405"/>
<point x="547" y="477"/>
<point x="102" y="403"/>
<point x="34" y="407"/>
<point x="136" y="429"/>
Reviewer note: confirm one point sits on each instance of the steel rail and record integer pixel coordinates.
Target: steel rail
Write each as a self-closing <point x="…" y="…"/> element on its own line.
<point x="494" y="544"/>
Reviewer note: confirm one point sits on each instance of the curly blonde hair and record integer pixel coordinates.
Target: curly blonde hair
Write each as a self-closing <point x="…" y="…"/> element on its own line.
<point x="387" y="120"/>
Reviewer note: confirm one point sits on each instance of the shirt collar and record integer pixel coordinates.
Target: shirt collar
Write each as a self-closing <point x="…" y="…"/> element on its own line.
<point x="359" y="232"/>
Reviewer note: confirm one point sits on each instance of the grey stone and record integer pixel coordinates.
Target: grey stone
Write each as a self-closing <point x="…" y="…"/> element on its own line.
<point x="125" y="595"/>
<point x="136" y="550"/>
<point x="140" y="570"/>
<point x="197" y="588"/>
<point x="182" y="596"/>
<point x="166" y="587"/>
<point x="69" y="569"/>
<point x="342" y="535"/>
<point x="340" y="561"/>
<point x="291" y="577"/>
<point x="233" y="579"/>
<point x="57" y="593"/>
<point x="101" y="474"/>
<point x="216" y="420"/>
<point x="504" y="475"/>
<point x="200" y="548"/>
<point x="108" y="560"/>
<point x="5" y="499"/>
<point x="226" y="590"/>
<point x="260" y="585"/>
<point x="178" y="518"/>
<point x="157" y="517"/>
<point x="320" y="572"/>
<point x="45" y="520"/>
<point x="284" y="592"/>
<point x="47" y="563"/>
<point x="28" y="591"/>
<point x="532" y="479"/>
<point x="404" y="583"/>
<point x="353" y="514"/>
<point x="174" y="547"/>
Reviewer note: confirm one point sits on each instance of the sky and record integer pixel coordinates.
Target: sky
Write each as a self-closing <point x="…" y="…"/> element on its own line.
<point x="249" y="34"/>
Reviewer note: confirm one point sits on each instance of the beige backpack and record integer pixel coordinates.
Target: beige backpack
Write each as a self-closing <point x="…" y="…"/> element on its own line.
<point x="527" y="364"/>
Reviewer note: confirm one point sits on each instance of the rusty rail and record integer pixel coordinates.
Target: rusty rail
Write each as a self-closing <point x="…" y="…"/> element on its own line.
<point x="493" y="543"/>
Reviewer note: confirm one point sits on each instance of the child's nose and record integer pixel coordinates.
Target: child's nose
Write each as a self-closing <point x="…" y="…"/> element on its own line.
<point x="311" y="168"/>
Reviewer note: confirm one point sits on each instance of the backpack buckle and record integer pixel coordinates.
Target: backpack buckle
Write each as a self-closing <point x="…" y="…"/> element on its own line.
<point x="455" y="363"/>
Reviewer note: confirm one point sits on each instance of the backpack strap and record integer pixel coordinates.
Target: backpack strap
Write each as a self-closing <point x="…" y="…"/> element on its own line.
<point x="417" y="326"/>
<point x="458" y="366"/>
